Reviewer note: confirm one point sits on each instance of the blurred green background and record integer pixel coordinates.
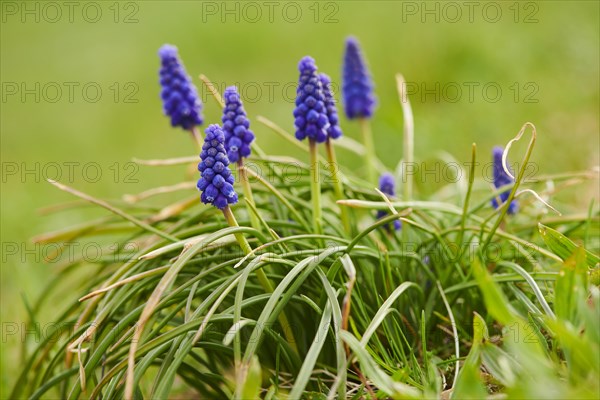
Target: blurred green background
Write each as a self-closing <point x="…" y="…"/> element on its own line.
<point x="80" y="95"/>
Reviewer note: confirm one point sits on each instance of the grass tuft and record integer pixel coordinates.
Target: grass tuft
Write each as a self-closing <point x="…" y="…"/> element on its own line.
<point x="307" y="295"/>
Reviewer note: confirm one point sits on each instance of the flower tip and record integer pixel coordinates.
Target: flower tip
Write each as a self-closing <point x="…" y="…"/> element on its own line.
<point x="353" y="45"/>
<point x="351" y="41"/>
<point x="386" y="178"/>
<point x="231" y="95"/>
<point x="167" y="51"/>
<point x="387" y="184"/>
<point x="498" y="151"/>
<point x="325" y="79"/>
<point x="307" y="64"/>
<point x="213" y="130"/>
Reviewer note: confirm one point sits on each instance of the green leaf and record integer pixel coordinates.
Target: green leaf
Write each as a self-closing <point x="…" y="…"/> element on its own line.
<point x="571" y="285"/>
<point x="501" y="365"/>
<point x="562" y="246"/>
<point x="495" y="301"/>
<point x="252" y="384"/>
<point x="577" y="327"/>
<point x="583" y="353"/>
<point x="469" y="384"/>
<point x="313" y="353"/>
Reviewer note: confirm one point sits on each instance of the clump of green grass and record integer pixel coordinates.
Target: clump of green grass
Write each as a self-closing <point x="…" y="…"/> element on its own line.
<point x="464" y="302"/>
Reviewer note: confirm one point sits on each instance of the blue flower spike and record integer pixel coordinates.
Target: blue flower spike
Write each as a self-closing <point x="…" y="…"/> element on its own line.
<point x="310" y="113"/>
<point x="501" y="178"/>
<point x="179" y="95"/>
<point x="216" y="180"/>
<point x="359" y="100"/>
<point x="238" y="139"/>
<point x="357" y="88"/>
<point x="216" y="184"/>
<point x="236" y="126"/>
<point x="388" y="187"/>
<point x="311" y="122"/>
<point x="334" y="131"/>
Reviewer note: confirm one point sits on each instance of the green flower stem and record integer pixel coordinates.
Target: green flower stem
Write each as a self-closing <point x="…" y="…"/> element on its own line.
<point x="367" y="135"/>
<point x="262" y="277"/>
<point x="315" y="186"/>
<point x="337" y="185"/>
<point x="466" y="203"/>
<point x="408" y="147"/>
<point x="408" y="137"/>
<point x="230" y="218"/>
<point x="243" y="174"/>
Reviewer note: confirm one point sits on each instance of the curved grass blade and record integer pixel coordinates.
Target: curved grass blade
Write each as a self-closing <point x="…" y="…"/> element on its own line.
<point x="151" y="304"/>
<point x="384" y="310"/>
<point x="562" y="246"/>
<point x="114" y="210"/>
<point x="380" y="379"/>
<point x="310" y="359"/>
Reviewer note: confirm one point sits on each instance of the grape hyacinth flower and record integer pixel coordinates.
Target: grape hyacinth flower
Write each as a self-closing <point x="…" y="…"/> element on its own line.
<point x="501" y="178"/>
<point x="359" y="100"/>
<point x="357" y="88"/>
<point x="310" y="114"/>
<point x="311" y="121"/>
<point x="216" y="184"/>
<point x="179" y="95"/>
<point x="388" y="187"/>
<point x="238" y="138"/>
<point x="216" y="180"/>
<point x="236" y="124"/>
<point x="334" y="131"/>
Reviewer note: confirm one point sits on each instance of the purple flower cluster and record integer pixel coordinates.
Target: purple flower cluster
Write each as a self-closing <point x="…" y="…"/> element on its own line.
<point x="334" y="131"/>
<point x="235" y="125"/>
<point x="179" y="95"/>
<point x="388" y="187"/>
<point x="501" y="178"/>
<point x="310" y="113"/>
<point x="357" y="88"/>
<point x="216" y="180"/>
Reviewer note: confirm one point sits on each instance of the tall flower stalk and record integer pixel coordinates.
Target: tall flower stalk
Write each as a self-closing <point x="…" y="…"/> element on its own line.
<point x="334" y="132"/>
<point x="312" y="122"/>
<point x="359" y="100"/>
<point x="181" y="102"/>
<point x="315" y="186"/>
<point x="216" y="184"/>
<point x="238" y="139"/>
<point x="408" y="147"/>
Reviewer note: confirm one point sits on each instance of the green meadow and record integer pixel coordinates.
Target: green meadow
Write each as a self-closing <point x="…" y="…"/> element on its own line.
<point x="81" y="100"/>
